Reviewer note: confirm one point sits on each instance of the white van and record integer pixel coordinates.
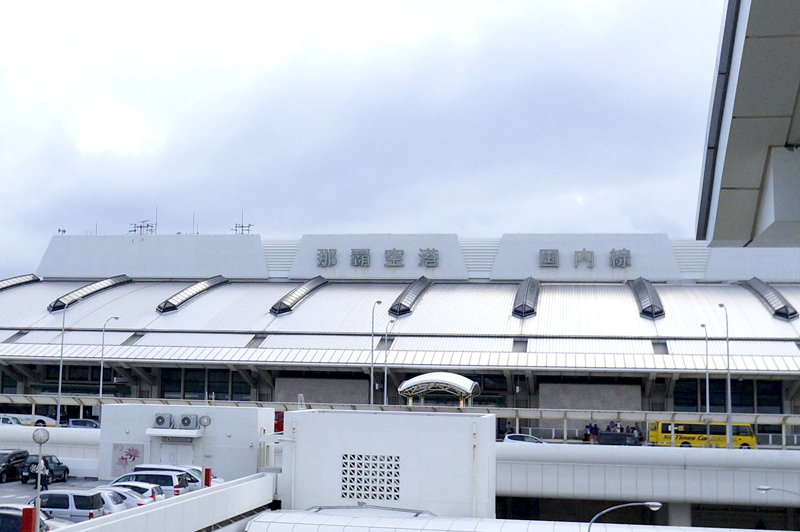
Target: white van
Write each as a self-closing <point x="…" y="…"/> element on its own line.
<point x="72" y="505"/>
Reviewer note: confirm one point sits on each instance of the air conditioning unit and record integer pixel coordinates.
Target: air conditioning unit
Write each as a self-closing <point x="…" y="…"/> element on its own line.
<point x="163" y="421"/>
<point x="120" y="380"/>
<point x="189" y="422"/>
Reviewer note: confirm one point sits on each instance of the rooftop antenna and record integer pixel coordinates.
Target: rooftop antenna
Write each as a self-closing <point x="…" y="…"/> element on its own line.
<point x="155" y="225"/>
<point x="62" y="231"/>
<point x="142" y="228"/>
<point x="242" y="228"/>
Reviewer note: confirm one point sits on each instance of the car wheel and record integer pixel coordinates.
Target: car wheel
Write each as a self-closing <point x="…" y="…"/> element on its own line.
<point x="49" y="477"/>
<point x="3" y="477"/>
<point x="686" y="444"/>
<point x="40" y="423"/>
<point x="744" y="446"/>
<point x="66" y="475"/>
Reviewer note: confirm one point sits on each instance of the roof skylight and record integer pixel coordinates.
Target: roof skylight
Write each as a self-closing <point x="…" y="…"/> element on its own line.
<point x="189" y="292"/>
<point x="11" y="282"/>
<point x="527" y="298"/>
<point x="647" y="298"/>
<point x="290" y="300"/>
<point x="86" y="291"/>
<point x="774" y="300"/>
<point x="405" y="302"/>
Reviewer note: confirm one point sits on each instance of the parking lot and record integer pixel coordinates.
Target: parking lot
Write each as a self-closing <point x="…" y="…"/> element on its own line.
<point x="19" y="493"/>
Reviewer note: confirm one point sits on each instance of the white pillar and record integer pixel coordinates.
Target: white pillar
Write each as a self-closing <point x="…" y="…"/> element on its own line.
<point x="680" y="514"/>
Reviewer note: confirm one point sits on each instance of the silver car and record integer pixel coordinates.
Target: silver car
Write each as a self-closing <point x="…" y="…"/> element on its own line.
<point x="73" y="505"/>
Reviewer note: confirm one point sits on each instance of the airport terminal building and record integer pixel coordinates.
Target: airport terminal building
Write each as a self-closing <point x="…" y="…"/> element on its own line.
<point x="603" y="322"/>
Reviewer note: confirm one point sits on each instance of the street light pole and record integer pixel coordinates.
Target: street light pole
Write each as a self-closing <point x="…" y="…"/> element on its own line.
<point x="61" y="366"/>
<point x="708" y="391"/>
<point x="729" y="401"/>
<point x="103" y="352"/>
<point x="386" y="365"/>
<point x="654" y="506"/>
<point x="40" y="436"/>
<point x="372" y="357"/>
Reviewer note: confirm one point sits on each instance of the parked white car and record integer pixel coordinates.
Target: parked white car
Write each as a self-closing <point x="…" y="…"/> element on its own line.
<point x="53" y="523"/>
<point x="131" y="498"/>
<point x="172" y="483"/>
<point x="38" y="421"/>
<point x="525" y="438"/>
<point x="151" y="491"/>
<point x="194" y="474"/>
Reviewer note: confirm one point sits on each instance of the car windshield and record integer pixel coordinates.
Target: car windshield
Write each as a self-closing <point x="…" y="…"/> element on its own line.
<point x="3" y="457"/>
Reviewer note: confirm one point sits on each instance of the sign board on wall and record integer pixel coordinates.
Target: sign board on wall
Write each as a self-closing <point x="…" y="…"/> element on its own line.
<point x="379" y="256"/>
<point x="126" y="456"/>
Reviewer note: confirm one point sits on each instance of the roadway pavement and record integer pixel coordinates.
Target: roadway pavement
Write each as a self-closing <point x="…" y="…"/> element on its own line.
<point x="19" y="493"/>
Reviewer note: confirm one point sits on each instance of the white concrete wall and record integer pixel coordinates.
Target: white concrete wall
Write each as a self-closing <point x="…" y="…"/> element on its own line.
<point x="77" y="448"/>
<point x="232" y="439"/>
<point x="190" y="512"/>
<point x="446" y="461"/>
<point x="668" y="475"/>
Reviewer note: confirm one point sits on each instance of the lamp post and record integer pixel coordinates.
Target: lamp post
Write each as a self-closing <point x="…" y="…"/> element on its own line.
<point x="764" y="489"/>
<point x="40" y="436"/>
<point x="386" y="365"/>
<point x="654" y="506"/>
<point x="61" y="363"/>
<point x="103" y="352"/>
<point x="729" y="401"/>
<point x="372" y="357"/>
<point x="708" y="391"/>
<point x="204" y="422"/>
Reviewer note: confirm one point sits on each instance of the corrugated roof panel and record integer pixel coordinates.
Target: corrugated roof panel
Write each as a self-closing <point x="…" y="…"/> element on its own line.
<point x="195" y="339"/>
<point x="451" y="344"/>
<point x="307" y="341"/>
<point x="74" y="337"/>
<point x="589" y="345"/>
<point x="587" y="310"/>
<point x="738" y="347"/>
<point x="341" y="307"/>
<point x="463" y="309"/>
<point x="748" y="318"/>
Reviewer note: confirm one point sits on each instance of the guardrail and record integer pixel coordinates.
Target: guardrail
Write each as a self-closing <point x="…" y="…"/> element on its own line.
<point x="203" y="509"/>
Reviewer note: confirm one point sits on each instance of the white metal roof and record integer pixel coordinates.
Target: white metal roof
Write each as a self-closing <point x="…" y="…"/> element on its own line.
<point x="456" y="326"/>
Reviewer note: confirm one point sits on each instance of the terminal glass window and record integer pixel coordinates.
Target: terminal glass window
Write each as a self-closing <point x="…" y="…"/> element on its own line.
<point x="685" y="395"/>
<point x="743" y="396"/>
<point x="240" y="388"/>
<point x="194" y="386"/>
<point x="171" y="383"/>
<point x="218" y="384"/>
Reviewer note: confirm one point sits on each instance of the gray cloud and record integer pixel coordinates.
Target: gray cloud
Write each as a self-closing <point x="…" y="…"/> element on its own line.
<point x="545" y="118"/>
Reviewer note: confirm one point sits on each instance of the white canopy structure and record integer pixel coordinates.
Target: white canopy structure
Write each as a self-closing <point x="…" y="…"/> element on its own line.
<point x="439" y="381"/>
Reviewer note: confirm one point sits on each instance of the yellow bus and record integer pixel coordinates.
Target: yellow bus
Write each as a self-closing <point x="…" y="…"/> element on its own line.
<point x="695" y="434"/>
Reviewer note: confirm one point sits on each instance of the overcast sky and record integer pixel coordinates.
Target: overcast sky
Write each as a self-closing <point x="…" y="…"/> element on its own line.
<point x="475" y="118"/>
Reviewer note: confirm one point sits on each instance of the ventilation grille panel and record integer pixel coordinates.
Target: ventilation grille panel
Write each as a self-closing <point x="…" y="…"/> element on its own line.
<point x="371" y="477"/>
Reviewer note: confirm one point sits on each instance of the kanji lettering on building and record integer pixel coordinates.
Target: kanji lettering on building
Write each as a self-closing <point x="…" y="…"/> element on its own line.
<point x="429" y="257"/>
<point x="548" y="258"/>
<point x="326" y="258"/>
<point x="619" y="258"/>
<point x="359" y="258"/>
<point x="394" y="258"/>
<point x="584" y="256"/>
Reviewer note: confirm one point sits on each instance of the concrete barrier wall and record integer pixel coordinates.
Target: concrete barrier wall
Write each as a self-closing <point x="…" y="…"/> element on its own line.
<point x="78" y="448"/>
<point x="192" y="511"/>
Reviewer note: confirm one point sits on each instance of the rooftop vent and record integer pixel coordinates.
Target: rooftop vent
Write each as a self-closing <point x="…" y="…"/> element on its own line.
<point x="288" y="302"/>
<point x="408" y="298"/>
<point x="527" y="298"/>
<point x="85" y="291"/>
<point x="11" y="282"/>
<point x="189" y="292"/>
<point x="772" y="298"/>
<point x="647" y="298"/>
